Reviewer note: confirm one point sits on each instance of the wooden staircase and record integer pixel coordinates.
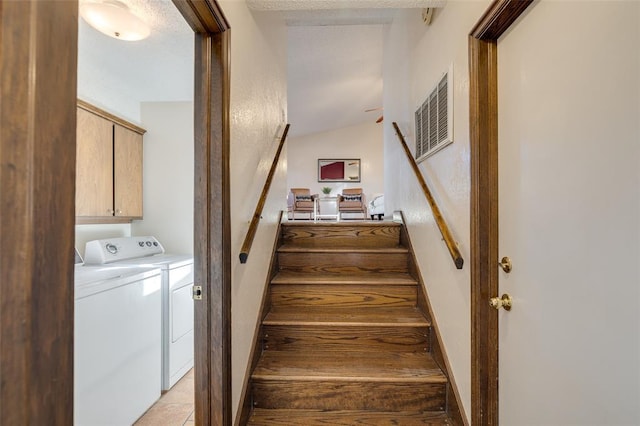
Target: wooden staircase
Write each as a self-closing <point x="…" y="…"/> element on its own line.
<point x="345" y="337"/>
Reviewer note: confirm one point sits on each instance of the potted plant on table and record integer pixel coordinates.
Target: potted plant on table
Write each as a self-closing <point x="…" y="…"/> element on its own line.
<point x="326" y="190"/>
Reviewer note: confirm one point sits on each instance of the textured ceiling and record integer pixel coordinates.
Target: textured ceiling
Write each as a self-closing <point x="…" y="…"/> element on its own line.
<point x="159" y="68"/>
<point x="339" y="12"/>
<point x="334" y="75"/>
<point x="274" y="5"/>
<point x="334" y="58"/>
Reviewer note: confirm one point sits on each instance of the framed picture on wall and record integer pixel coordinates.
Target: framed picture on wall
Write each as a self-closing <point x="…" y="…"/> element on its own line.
<point x="339" y="170"/>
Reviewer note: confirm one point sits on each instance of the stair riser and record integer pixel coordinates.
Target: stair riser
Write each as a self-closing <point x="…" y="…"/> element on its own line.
<point x="341" y="263"/>
<point x="328" y="395"/>
<point x="341" y="296"/>
<point x="342" y="236"/>
<point x="343" y="339"/>
<point x="345" y="418"/>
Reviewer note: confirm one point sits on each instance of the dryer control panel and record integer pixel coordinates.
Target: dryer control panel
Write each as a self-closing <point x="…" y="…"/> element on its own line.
<point x="98" y="252"/>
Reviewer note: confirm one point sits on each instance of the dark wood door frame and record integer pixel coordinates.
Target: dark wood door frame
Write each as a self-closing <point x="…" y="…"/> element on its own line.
<point x="38" y="41"/>
<point x="212" y="230"/>
<point x="483" y="128"/>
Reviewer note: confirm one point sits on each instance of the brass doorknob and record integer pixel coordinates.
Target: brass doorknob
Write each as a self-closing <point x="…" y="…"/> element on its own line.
<point x="501" y="302"/>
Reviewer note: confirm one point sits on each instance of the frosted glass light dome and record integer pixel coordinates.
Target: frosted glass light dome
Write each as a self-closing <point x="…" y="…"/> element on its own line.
<point x="114" y="19"/>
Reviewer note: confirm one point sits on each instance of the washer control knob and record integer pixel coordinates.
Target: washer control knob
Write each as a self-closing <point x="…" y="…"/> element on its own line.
<point x="148" y="243"/>
<point x="111" y="248"/>
<point x="141" y="243"/>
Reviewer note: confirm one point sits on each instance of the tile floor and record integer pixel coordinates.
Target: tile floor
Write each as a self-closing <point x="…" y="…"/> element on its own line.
<point x="174" y="408"/>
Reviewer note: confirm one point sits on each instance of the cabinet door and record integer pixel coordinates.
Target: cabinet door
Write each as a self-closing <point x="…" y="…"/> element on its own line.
<point x="94" y="165"/>
<point x="127" y="175"/>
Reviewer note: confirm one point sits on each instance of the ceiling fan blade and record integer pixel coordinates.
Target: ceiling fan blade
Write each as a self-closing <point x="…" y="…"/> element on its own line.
<point x="379" y="120"/>
<point x="372" y="109"/>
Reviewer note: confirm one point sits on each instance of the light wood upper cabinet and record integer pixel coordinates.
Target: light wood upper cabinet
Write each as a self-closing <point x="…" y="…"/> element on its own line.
<point x="127" y="176"/>
<point x="108" y="167"/>
<point x="94" y="165"/>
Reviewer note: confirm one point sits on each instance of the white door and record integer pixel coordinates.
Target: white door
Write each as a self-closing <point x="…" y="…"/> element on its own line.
<point x="569" y="208"/>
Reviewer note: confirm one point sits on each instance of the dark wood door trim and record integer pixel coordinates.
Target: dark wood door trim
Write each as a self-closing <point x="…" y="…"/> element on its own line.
<point x="212" y="238"/>
<point x="212" y="231"/>
<point x="38" y="41"/>
<point x="203" y="16"/>
<point x="483" y="128"/>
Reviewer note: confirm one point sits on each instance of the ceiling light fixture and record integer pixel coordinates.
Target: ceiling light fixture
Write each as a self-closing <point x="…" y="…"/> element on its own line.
<point x="114" y="19"/>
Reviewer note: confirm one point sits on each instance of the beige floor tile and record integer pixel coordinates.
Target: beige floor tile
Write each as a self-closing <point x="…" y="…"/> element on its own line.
<point x="166" y="415"/>
<point x="182" y="392"/>
<point x="174" y="408"/>
<point x="191" y="421"/>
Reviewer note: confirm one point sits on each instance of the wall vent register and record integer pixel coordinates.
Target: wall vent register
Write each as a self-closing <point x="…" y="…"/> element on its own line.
<point x="434" y="118"/>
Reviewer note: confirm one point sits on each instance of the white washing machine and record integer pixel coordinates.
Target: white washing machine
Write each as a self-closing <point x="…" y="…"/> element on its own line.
<point x="117" y="345"/>
<point x="177" y="301"/>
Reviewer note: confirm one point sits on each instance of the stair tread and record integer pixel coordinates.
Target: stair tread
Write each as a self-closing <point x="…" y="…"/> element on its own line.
<point x="293" y="248"/>
<point x="393" y="367"/>
<point x="292" y="277"/>
<point x="364" y="223"/>
<point x="272" y="417"/>
<point x="360" y="316"/>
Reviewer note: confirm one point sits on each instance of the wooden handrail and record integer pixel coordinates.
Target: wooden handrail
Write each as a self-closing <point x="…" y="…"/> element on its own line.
<point x="442" y="225"/>
<point x="253" y="226"/>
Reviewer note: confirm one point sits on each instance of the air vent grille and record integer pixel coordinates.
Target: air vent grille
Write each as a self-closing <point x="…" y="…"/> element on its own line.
<point x="433" y="119"/>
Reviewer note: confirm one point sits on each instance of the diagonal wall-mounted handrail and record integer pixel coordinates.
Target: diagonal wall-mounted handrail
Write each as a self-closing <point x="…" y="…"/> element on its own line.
<point x="442" y="225"/>
<point x="253" y="226"/>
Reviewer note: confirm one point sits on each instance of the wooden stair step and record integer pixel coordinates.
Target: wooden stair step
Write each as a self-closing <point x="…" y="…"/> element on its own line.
<point x="341" y="296"/>
<point x="331" y="262"/>
<point x="327" y="316"/>
<point x="289" y="248"/>
<point x="329" y="380"/>
<point x="346" y="338"/>
<point x="336" y="234"/>
<point x="278" y="417"/>
<point x="349" y="395"/>
<point x="383" y="367"/>
<point x="378" y="223"/>
<point x="384" y="279"/>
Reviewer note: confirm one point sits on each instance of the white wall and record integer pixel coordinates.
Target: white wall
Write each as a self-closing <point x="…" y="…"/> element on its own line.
<point x="168" y="175"/>
<point x="588" y="337"/>
<point x="363" y="141"/>
<point x="415" y="58"/>
<point x="569" y="161"/>
<point x="258" y="106"/>
<point x="96" y="85"/>
<point x="114" y="101"/>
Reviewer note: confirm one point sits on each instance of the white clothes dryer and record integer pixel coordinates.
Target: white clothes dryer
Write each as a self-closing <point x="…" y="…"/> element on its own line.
<point x="177" y="302"/>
